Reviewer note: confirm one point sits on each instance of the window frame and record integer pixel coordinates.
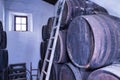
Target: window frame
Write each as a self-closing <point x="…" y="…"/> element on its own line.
<point x="11" y="20"/>
<point x="21" y="16"/>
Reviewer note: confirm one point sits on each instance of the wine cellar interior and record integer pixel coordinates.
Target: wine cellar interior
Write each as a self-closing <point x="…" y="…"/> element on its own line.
<point x="59" y="40"/>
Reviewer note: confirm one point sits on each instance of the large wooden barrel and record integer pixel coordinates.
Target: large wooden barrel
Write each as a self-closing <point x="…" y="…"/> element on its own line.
<point x="93" y="8"/>
<point x="74" y="8"/>
<point x="61" y="49"/>
<point x="111" y="72"/>
<point x="55" y="72"/>
<point x="70" y="72"/>
<point x="92" y="41"/>
<point x="71" y="10"/>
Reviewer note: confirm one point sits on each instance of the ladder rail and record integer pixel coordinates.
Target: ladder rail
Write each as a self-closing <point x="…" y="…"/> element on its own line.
<point x="57" y="23"/>
<point x="47" y="51"/>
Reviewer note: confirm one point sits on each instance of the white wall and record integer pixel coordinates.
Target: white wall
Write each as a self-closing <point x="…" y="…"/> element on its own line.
<point x="2" y="11"/>
<point x="113" y="6"/>
<point x="25" y="46"/>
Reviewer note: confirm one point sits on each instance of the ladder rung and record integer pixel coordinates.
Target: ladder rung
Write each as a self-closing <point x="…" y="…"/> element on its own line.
<point x="52" y="37"/>
<point x="47" y="60"/>
<point x="35" y="69"/>
<point x="44" y="72"/>
<point x="49" y="48"/>
<point x="54" y="27"/>
<point x="34" y="75"/>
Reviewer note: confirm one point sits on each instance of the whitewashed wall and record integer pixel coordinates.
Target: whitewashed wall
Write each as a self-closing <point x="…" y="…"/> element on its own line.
<point x="113" y="6"/>
<point x="2" y="11"/>
<point x="25" y="46"/>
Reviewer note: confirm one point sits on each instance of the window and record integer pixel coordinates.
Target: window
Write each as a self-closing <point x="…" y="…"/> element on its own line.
<point x="20" y="23"/>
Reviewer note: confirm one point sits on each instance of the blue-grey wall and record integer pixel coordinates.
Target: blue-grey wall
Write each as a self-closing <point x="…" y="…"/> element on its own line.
<point x="2" y="11"/>
<point x="25" y="46"/>
<point x="113" y="6"/>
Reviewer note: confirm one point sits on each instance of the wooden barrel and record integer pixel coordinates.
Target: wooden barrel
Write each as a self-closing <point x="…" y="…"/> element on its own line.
<point x="70" y="72"/>
<point x="50" y="21"/>
<point x="3" y="60"/>
<point x="43" y="48"/>
<point x="55" y="71"/>
<point x="46" y="29"/>
<point x="45" y="34"/>
<point x="49" y="26"/>
<point x="74" y="8"/>
<point x="92" y="41"/>
<point x="93" y="8"/>
<point x="40" y="65"/>
<point x="1" y="26"/>
<point x="71" y="10"/>
<point x="3" y="41"/>
<point x="61" y="49"/>
<point x="107" y="73"/>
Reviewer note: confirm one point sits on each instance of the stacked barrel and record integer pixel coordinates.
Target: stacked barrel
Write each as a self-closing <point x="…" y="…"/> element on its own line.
<point x="88" y="46"/>
<point x="3" y="54"/>
<point x="93" y="44"/>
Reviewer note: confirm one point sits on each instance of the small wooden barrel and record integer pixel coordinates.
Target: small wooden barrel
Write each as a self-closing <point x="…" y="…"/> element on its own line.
<point x="50" y="21"/>
<point x="49" y="26"/>
<point x="43" y="48"/>
<point x="46" y="29"/>
<point x="40" y="65"/>
<point x="111" y="72"/>
<point x="92" y="41"/>
<point x="1" y="26"/>
<point x="45" y="34"/>
<point x="3" y="40"/>
<point x="3" y="60"/>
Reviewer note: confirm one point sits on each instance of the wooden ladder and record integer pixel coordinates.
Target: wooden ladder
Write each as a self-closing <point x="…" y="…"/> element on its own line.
<point x="47" y="64"/>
